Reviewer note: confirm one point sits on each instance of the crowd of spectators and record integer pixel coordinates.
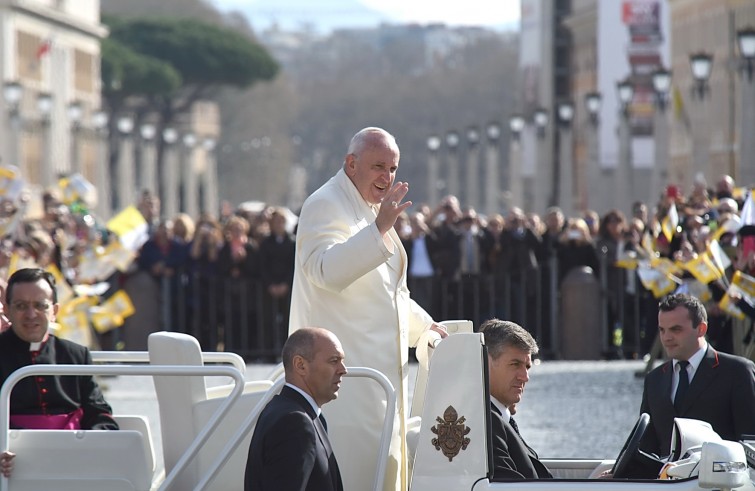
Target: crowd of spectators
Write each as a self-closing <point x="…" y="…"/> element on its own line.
<point x="226" y="279"/>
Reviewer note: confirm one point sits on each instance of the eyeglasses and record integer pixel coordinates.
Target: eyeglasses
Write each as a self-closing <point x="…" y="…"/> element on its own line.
<point x="37" y="306"/>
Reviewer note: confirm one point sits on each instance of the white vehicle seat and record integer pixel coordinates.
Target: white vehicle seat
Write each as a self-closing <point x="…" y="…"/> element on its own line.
<point x="54" y="459"/>
<point x="140" y="424"/>
<point x="185" y="408"/>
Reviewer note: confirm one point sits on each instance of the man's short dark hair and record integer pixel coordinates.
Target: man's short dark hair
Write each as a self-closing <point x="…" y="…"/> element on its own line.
<point x="302" y="343"/>
<point x="30" y="275"/>
<point x="695" y="307"/>
<point x="502" y="334"/>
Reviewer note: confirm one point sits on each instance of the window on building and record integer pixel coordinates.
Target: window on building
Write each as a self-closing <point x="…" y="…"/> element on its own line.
<point x="83" y="68"/>
<point x="31" y="50"/>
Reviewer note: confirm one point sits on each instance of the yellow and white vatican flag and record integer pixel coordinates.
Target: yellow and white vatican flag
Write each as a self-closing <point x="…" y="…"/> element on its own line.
<point x="73" y="320"/>
<point x="76" y="188"/>
<point x="112" y="312"/>
<point x="703" y="269"/>
<point x="130" y="227"/>
<point x="719" y="257"/>
<point x="670" y="222"/>
<point x="20" y="261"/>
<point x="63" y="289"/>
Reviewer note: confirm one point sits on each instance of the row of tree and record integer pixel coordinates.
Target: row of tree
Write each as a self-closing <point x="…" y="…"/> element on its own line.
<point x="162" y="56"/>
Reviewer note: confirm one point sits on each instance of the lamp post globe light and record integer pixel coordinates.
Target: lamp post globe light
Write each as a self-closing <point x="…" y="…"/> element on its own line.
<point x="433" y="143"/>
<point x="661" y="86"/>
<point x="701" y="64"/>
<point x="565" y="113"/>
<point x="473" y="135"/>
<point x="746" y="43"/>
<point x="516" y="125"/>
<point x="593" y="102"/>
<point x="493" y="132"/>
<point x="100" y="120"/>
<point x="452" y="140"/>
<point x="125" y="125"/>
<point x="625" y="90"/>
<point x="12" y="92"/>
<point x="540" y="119"/>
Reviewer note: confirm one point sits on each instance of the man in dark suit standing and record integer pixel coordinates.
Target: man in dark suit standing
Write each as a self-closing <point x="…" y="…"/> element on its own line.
<point x="510" y="350"/>
<point x="290" y="449"/>
<point x="698" y="382"/>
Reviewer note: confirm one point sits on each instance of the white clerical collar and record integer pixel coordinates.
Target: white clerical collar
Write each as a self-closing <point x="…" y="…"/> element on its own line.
<point x="504" y="410"/>
<point x="38" y="345"/>
<point x="307" y="397"/>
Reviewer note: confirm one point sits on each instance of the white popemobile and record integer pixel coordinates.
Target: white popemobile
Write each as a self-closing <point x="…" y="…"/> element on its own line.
<point x="206" y="431"/>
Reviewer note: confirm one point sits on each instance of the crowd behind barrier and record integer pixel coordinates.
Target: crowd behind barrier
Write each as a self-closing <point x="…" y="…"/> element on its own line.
<point x="227" y="279"/>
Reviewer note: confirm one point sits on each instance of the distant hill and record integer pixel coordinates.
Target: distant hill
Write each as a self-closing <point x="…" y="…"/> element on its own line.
<point x="322" y="16"/>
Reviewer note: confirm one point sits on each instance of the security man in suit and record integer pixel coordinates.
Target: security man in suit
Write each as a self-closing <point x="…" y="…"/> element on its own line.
<point x="290" y="449"/>
<point x="698" y="382"/>
<point x="510" y="349"/>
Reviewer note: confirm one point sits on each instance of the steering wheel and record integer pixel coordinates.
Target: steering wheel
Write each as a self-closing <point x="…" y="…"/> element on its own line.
<point x="631" y="447"/>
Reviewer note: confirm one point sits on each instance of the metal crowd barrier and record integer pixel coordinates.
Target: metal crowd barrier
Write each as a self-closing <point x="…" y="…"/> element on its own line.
<point x="240" y="315"/>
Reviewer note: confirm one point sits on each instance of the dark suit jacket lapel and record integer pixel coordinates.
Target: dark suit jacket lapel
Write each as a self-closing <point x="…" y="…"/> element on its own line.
<point x="704" y="375"/>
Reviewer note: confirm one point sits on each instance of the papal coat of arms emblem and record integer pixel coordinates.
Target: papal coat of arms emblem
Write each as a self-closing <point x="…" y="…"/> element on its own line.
<point x="451" y="432"/>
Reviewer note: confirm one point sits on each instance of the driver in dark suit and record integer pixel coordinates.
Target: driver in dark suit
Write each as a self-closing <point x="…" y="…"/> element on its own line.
<point x="510" y="350"/>
<point x="715" y="387"/>
<point x="290" y="449"/>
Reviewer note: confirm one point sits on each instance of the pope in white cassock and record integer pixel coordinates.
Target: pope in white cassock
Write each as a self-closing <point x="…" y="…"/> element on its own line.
<point x="350" y="278"/>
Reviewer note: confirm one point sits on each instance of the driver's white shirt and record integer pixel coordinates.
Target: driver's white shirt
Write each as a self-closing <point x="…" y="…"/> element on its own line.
<point x="694" y="362"/>
<point x="504" y="410"/>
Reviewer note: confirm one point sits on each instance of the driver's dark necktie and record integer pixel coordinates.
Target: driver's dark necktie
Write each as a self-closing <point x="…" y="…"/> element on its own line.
<point x="515" y="426"/>
<point x="681" y="389"/>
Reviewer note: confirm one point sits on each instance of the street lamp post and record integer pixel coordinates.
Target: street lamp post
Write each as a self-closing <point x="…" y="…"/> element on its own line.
<point x="210" y="198"/>
<point x="168" y="171"/>
<point x="189" y="173"/>
<point x="75" y="113"/>
<point x="473" y="167"/>
<point x="746" y="42"/>
<point x="452" y="181"/>
<point x="12" y="93"/>
<point x="100" y="124"/>
<point x="593" y="102"/>
<point x="123" y="186"/>
<point x="701" y="65"/>
<point x="539" y="186"/>
<point x="624" y="178"/>
<point x="433" y="144"/>
<point x="492" y="179"/>
<point x="566" y="168"/>
<point x="516" y="179"/>
<point x="662" y="87"/>
<point x="146" y="173"/>
<point x="44" y="107"/>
